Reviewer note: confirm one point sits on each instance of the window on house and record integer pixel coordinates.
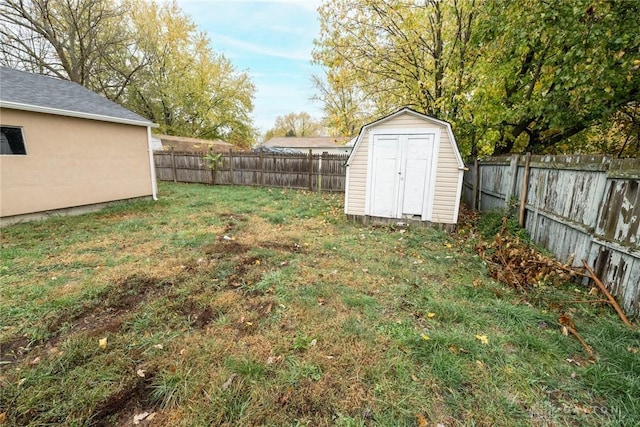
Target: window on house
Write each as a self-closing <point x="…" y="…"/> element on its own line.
<point x="12" y="140"/>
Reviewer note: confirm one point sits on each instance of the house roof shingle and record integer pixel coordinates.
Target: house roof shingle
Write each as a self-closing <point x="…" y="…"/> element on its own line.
<point x="34" y="92"/>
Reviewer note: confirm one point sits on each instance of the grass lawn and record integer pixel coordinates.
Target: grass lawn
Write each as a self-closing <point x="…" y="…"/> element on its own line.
<point x="296" y="317"/>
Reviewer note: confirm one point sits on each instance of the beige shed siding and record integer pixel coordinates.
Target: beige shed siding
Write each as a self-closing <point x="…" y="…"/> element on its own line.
<point x="358" y="178"/>
<point x="447" y="173"/>
<point x="447" y="176"/>
<point x="402" y="121"/>
<point x="72" y="162"/>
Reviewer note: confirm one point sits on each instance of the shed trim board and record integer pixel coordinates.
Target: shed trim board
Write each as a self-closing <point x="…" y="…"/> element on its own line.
<point x="456" y="210"/>
<point x="152" y="165"/>
<point x="400" y="171"/>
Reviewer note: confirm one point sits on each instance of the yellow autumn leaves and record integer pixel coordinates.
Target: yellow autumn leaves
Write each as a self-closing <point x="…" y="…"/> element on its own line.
<point x="482" y="338"/>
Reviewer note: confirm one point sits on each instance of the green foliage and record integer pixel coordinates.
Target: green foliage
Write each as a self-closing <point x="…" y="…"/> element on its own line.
<point x="495" y="221"/>
<point x="549" y="71"/>
<point x="148" y="56"/>
<point x="213" y="159"/>
<point x="510" y="75"/>
<point x="295" y="125"/>
<point x="380" y="56"/>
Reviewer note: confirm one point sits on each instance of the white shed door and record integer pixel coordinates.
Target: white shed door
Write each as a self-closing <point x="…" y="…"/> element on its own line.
<point x="400" y="174"/>
<point x="385" y="175"/>
<point x="417" y="170"/>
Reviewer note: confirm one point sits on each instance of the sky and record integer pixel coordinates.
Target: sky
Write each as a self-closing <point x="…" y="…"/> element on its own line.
<point x="272" y="41"/>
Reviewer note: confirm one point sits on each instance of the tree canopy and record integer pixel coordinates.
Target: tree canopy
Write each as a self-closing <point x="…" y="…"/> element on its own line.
<point x="295" y="124"/>
<point x="510" y="75"/>
<point x="145" y="55"/>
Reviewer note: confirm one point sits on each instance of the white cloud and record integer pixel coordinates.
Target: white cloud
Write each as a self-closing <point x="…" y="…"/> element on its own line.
<point x="300" y="55"/>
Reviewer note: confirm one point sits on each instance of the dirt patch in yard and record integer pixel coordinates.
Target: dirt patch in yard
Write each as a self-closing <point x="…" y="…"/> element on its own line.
<point x="225" y="247"/>
<point x="121" y="407"/>
<point x="197" y="315"/>
<point x="233" y="221"/>
<point x="14" y="350"/>
<point x="104" y="313"/>
<point x="284" y="247"/>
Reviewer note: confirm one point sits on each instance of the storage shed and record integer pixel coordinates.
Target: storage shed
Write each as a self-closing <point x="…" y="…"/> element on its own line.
<point x="404" y="167"/>
<point x="66" y="149"/>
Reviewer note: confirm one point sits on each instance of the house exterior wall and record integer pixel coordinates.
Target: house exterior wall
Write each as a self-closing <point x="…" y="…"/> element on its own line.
<point x="72" y="162"/>
<point x="447" y="173"/>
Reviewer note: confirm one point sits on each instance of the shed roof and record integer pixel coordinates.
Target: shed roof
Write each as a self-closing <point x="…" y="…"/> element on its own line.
<point x="407" y="110"/>
<point x="306" y="142"/>
<point x="21" y="90"/>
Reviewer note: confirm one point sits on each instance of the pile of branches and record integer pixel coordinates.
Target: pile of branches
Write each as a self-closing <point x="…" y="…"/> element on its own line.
<point x="517" y="264"/>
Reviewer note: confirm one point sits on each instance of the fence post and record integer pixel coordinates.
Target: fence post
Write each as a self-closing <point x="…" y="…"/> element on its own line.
<point x="173" y="165"/>
<point x="524" y="189"/>
<point x="261" y="161"/>
<point x="541" y="185"/>
<point x="231" y="165"/>
<point x="476" y="180"/>
<point x="319" y="184"/>
<point x="513" y="168"/>
<point x="213" y="166"/>
<point x="310" y="170"/>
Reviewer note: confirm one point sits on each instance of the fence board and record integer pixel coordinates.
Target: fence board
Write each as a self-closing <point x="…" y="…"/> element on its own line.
<point x="579" y="207"/>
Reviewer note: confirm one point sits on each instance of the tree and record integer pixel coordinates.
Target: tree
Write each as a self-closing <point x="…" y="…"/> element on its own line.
<point x="510" y="75"/>
<point x="69" y="39"/>
<point x="550" y="70"/>
<point x="343" y="103"/>
<point x="395" y="53"/>
<point x="147" y="56"/>
<point x="187" y="88"/>
<point x="298" y="125"/>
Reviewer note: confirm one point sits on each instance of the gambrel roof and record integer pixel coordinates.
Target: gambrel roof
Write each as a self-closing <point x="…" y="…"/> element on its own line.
<point x="407" y="110"/>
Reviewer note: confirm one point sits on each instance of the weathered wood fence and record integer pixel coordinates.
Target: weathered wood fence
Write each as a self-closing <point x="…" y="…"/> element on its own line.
<point x="315" y="172"/>
<point x="578" y="207"/>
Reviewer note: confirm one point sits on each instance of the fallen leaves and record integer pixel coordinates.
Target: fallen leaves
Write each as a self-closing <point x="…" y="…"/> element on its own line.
<point x="286" y="396"/>
<point x="517" y="264"/>
<point x="102" y="343"/>
<point x="144" y="416"/>
<point x="483" y="339"/>
<point x="229" y="381"/>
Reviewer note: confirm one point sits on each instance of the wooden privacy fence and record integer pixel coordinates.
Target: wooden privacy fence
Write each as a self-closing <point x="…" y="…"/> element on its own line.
<point x="580" y="207"/>
<point x="315" y="172"/>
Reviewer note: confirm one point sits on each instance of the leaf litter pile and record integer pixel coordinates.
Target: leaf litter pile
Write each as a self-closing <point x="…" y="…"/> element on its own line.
<point x="519" y="264"/>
